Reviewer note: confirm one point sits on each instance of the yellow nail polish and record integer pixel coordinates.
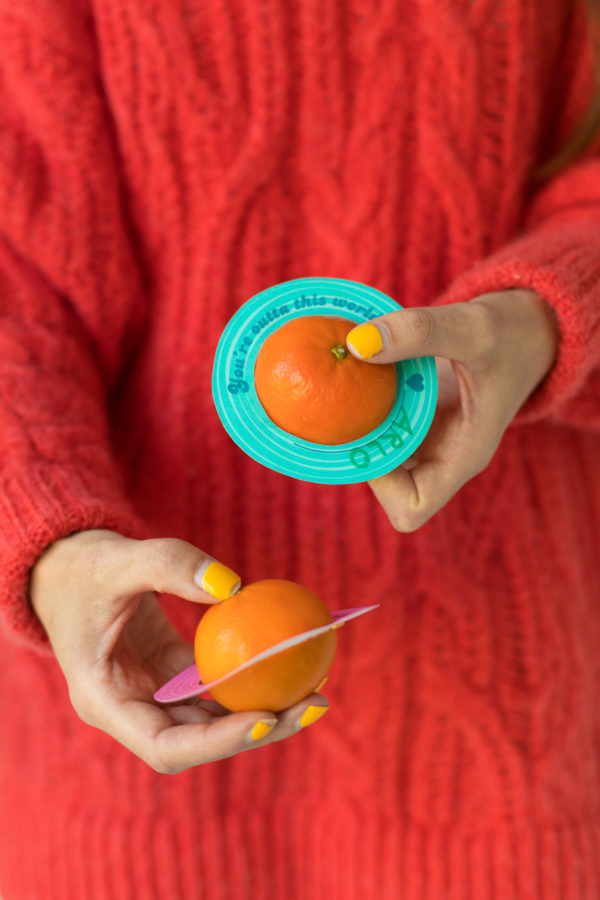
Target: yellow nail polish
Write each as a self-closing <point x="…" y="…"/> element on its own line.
<point x="261" y="729"/>
<point x="220" y="581"/>
<point x="366" y="340"/>
<point x="312" y="714"/>
<point x="321" y="684"/>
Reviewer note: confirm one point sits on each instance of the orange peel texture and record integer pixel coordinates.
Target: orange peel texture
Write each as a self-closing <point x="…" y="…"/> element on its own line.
<point x="259" y="616"/>
<point x="311" y="386"/>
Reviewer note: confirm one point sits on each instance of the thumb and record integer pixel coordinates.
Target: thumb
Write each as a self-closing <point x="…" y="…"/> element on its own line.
<point x="445" y="331"/>
<point x="172" y="566"/>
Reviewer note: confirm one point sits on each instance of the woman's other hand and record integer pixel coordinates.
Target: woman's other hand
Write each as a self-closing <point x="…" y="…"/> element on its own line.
<point x="95" y="594"/>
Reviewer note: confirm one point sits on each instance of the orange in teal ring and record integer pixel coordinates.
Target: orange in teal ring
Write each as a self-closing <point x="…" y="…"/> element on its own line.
<point x="246" y="422"/>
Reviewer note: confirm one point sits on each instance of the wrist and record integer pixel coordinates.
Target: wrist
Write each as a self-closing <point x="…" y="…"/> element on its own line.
<point x="529" y="326"/>
<point x="544" y="328"/>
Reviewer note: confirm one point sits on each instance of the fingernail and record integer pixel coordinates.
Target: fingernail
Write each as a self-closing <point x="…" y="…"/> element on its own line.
<point x="321" y="684"/>
<point x="216" y="579"/>
<point x="262" y="728"/>
<point x="312" y="714"/>
<point x="367" y="340"/>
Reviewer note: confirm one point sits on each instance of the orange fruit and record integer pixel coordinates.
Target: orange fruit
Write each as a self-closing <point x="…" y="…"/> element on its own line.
<point x="257" y="617"/>
<point x="311" y="386"/>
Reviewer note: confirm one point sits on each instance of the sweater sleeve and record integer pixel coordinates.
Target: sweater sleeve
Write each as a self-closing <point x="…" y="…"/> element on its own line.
<point x="70" y="299"/>
<point x="557" y="251"/>
<point x="557" y="255"/>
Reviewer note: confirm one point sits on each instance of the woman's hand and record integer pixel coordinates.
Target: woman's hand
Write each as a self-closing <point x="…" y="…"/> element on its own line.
<point x="94" y="593"/>
<point x="492" y="352"/>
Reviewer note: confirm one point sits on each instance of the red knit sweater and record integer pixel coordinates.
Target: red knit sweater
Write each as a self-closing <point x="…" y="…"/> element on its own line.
<point x="162" y="162"/>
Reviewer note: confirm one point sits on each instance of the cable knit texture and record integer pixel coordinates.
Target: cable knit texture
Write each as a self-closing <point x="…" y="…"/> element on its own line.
<point x="162" y="162"/>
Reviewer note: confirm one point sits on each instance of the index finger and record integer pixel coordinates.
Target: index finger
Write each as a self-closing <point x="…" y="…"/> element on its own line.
<point x="454" y="452"/>
<point x="171" y="740"/>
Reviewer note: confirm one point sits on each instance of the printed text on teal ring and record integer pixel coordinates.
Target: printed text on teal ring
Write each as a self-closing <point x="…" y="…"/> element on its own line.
<point x="392" y="439"/>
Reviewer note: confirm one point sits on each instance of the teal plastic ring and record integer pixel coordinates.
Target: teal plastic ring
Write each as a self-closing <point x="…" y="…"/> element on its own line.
<point x="247" y="423"/>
